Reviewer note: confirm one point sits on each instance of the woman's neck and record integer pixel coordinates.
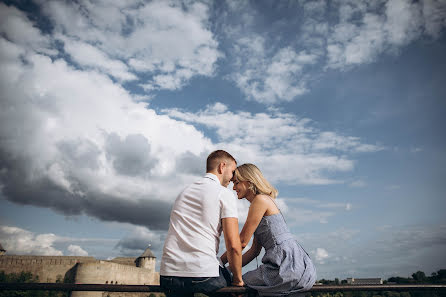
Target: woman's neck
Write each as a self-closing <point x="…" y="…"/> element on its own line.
<point x="250" y="197"/>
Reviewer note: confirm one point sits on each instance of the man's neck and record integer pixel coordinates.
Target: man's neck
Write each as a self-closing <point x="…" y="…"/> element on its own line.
<point x="219" y="176"/>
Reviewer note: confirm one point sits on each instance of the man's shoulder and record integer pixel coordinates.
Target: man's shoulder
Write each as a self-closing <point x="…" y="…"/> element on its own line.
<point x="226" y="191"/>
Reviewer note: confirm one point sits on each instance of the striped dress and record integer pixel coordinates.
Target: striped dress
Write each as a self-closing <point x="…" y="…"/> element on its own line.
<point x="286" y="269"/>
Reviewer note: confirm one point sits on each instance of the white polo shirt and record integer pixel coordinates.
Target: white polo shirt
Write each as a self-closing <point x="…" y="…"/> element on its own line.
<point x="191" y="246"/>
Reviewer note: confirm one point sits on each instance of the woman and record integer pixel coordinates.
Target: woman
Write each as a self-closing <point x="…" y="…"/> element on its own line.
<point x="287" y="269"/>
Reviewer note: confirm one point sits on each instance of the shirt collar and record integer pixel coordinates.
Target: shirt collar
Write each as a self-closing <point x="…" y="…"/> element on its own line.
<point x="212" y="176"/>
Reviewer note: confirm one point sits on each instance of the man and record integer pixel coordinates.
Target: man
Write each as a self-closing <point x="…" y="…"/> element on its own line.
<point x="205" y="208"/>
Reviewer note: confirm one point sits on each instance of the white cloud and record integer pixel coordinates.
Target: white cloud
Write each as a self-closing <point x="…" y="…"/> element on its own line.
<point x="366" y="30"/>
<point x="18" y="29"/>
<point x="358" y="184"/>
<point x="321" y="255"/>
<point x="361" y="253"/>
<point x="416" y="150"/>
<point x="23" y="242"/>
<point x="168" y="41"/>
<point x="57" y="122"/>
<point x="434" y="16"/>
<point x="90" y="56"/>
<point x="300" y="211"/>
<point x="348" y="206"/>
<point x="75" y="250"/>
<point x="270" y="80"/>
<point x="268" y="67"/>
<point x="305" y="154"/>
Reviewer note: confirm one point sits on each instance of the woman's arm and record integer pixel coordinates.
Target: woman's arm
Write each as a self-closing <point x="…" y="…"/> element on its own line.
<point x="256" y="211"/>
<point x="253" y="252"/>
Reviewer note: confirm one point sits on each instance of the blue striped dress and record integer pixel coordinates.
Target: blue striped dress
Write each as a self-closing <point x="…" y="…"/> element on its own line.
<point x="286" y="269"/>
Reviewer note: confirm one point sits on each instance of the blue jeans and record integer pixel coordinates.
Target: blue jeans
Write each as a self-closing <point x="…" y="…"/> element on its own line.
<point x="177" y="286"/>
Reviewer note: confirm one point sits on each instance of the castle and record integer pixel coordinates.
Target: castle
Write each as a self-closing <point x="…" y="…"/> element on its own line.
<point x="87" y="270"/>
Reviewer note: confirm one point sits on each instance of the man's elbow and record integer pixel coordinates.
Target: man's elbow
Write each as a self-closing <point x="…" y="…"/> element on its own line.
<point x="244" y="243"/>
<point x="234" y="248"/>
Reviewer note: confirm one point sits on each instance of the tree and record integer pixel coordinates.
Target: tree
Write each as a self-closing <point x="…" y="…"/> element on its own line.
<point x="25" y="277"/>
<point x="419" y="276"/>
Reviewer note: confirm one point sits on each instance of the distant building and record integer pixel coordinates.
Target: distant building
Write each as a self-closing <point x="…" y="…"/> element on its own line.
<point x="364" y="281"/>
<point x="86" y="270"/>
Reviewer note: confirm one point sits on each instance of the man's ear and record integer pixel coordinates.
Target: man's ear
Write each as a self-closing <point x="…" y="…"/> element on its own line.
<point x="220" y="167"/>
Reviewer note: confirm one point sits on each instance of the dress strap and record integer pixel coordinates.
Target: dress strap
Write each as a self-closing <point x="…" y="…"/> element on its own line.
<point x="278" y="209"/>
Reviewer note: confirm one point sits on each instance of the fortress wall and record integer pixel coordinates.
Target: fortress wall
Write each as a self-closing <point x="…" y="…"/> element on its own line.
<point x="83" y="270"/>
<point x="47" y="268"/>
<point x="102" y="272"/>
<point x="124" y="261"/>
<point x="147" y="263"/>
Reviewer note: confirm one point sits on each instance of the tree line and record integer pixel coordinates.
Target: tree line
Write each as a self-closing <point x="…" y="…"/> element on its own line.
<point x="27" y="277"/>
<point x="418" y="277"/>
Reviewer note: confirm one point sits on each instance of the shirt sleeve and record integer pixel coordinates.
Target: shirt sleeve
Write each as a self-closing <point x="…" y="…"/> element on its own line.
<point x="228" y="205"/>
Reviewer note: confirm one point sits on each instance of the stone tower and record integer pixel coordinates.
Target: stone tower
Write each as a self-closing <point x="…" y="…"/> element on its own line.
<point x="147" y="260"/>
<point x="2" y="250"/>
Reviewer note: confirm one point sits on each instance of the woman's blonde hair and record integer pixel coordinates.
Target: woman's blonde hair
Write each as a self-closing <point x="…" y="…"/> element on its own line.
<point x="258" y="183"/>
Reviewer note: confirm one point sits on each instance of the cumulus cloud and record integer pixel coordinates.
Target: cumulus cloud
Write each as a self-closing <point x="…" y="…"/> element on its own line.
<point x="320" y="255"/>
<point x="75" y="141"/>
<point x="21" y="31"/>
<point x="140" y="239"/>
<point x="22" y="242"/>
<point x="89" y="56"/>
<point x="263" y="72"/>
<point x="305" y="154"/>
<point x="75" y="250"/>
<point x="18" y="241"/>
<point x="272" y="79"/>
<point x="167" y="41"/>
<point x="368" y="29"/>
<point x="278" y="64"/>
<point x="348" y="252"/>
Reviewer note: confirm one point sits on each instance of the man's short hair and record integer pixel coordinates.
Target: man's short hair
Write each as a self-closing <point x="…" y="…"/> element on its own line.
<point x="216" y="157"/>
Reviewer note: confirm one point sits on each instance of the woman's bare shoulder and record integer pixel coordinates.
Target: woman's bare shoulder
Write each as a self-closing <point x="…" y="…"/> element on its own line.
<point x="262" y="198"/>
<point x="269" y="204"/>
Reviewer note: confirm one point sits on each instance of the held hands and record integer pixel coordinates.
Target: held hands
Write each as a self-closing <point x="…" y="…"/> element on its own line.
<point x="238" y="283"/>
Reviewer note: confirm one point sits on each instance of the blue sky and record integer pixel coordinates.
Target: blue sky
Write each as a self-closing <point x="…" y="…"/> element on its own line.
<point x="108" y="109"/>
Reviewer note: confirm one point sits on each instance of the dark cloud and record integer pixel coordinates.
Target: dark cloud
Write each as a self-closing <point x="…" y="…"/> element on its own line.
<point x="130" y="156"/>
<point x="19" y="187"/>
<point x="139" y="240"/>
<point x="80" y="153"/>
<point x="150" y="213"/>
<point x="192" y="164"/>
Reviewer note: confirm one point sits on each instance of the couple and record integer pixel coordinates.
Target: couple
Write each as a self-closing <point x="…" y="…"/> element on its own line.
<point x="206" y="208"/>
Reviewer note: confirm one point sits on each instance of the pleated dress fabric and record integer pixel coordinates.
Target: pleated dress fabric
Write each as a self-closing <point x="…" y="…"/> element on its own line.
<point x="286" y="269"/>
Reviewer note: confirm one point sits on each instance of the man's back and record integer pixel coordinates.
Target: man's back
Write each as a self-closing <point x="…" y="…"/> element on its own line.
<point x="191" y="246"/>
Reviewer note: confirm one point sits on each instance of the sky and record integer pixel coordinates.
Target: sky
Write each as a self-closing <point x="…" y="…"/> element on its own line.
<point x="108" y="109"/>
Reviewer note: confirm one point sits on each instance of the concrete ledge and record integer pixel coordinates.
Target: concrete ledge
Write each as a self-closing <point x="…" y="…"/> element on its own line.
<point x="238" y="290"/>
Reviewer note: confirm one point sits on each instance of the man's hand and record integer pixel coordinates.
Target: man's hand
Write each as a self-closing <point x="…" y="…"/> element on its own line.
<point x="238" y="284"/>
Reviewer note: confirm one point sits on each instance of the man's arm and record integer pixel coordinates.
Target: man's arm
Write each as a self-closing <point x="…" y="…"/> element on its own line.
<point x="233" y="249"/>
